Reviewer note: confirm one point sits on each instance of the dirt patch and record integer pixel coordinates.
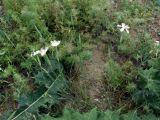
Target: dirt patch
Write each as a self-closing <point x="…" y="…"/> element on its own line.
<point x="154" y="27"/>
<point x="90" y="83"/>
<point x="94" y="75"/>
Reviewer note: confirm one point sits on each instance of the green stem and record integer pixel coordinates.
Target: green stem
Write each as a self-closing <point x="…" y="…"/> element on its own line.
<point x="43" y="95"/>
<point x="9" y="39"/>
<point x="38" y="31"/>
<point x="57" y="55"/>
<point x="47" y="59"/>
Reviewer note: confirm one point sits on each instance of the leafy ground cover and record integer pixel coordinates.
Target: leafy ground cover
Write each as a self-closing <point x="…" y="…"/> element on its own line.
<point x="60" y="55"/>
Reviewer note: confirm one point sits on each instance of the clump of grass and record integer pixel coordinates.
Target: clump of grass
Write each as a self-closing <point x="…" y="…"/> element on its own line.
<point x="127" y="45"/>
<point x="120" y="75"/>
<point x="114" y="73"/>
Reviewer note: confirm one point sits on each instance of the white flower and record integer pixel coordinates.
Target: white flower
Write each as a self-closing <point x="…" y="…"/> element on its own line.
<point x="96" y="99"/>
<point x="123" y="27"/>
<point x="55" y="43"/>
<point x="157" y="43"/>
<point x="35" y="53"/>
<point x="43" y="51"/>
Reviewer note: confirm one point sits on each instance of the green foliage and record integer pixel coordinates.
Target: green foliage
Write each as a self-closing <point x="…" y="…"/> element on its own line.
<point x="79" y="58"/>
<point x="22" y="31"/>
<point x="121" y="75"/>
<point x="29" y="25"/>
<point x="130" y="71"/>
<point x="148" y="89"/>
<point x="19" y="86"/>
<point x="127" y="45"/>
<point x="92" y="115"/>
<point x="140" y="48"/>
<point x="39" y="82"/>
<point x="96" y="115"/>
<point x="146" y="48"/>
<point x="50" y="83"/>
<point x="114" y="73"/>
<point x="157" y="2"/>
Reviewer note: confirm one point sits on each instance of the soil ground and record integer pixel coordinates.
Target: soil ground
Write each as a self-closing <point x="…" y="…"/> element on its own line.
<point x="154" y="28"/>
<point x="90" y="83"/>
<point x="93" y="76"/>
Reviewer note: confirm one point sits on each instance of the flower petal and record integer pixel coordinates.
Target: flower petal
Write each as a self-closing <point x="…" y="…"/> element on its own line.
<point x="119" y="26"/>
<point x="122" y="29"/>
<point x="157" y="43"/>
<point x="123" y="24"/>
<point x="35" y="53"/>
<point x="55" y="43"/>
<point x="127" y="27"/>
<point x="43" y="51"/>
<point x="127" y="30"/>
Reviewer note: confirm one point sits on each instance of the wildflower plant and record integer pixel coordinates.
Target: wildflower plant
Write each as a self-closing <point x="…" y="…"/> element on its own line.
<point x="43" y="51"/>
<point x="34" y="62"/>
<point x="123" y="27"/>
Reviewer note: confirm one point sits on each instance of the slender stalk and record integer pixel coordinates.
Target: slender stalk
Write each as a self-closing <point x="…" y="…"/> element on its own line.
<point x="43" y="95"/>
<point x="9" y="39"/>
<point x="40" y="34"/>
<point x="57" y="55"/>
<point x="47" y="59"/>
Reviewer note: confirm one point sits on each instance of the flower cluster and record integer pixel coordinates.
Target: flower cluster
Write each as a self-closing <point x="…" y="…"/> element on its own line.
<point x="43" y="51"/>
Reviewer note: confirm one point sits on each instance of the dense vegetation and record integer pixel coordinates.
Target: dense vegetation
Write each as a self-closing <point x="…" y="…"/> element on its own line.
<point x="45" y="43"/>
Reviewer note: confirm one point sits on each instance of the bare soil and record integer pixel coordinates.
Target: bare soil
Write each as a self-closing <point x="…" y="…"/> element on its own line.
<point x="90" y="83"/>
<point x="154" y="27"/>
<point x="93" y="75"/>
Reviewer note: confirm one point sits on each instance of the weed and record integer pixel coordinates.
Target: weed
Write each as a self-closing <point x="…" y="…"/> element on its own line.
<point x="127" y="45"/>
<point x="31" y="71"/>
<point x="114" y="73"/>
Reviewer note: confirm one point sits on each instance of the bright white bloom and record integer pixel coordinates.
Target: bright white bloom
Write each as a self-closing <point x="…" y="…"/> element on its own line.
<point x="55" y="43"/>
<point x="43" y="51"/>
<point x="35" y="53"/>
<point x="157" y="43"/>
<point x="96" y="99"/>
<point x="123" y="27"/>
